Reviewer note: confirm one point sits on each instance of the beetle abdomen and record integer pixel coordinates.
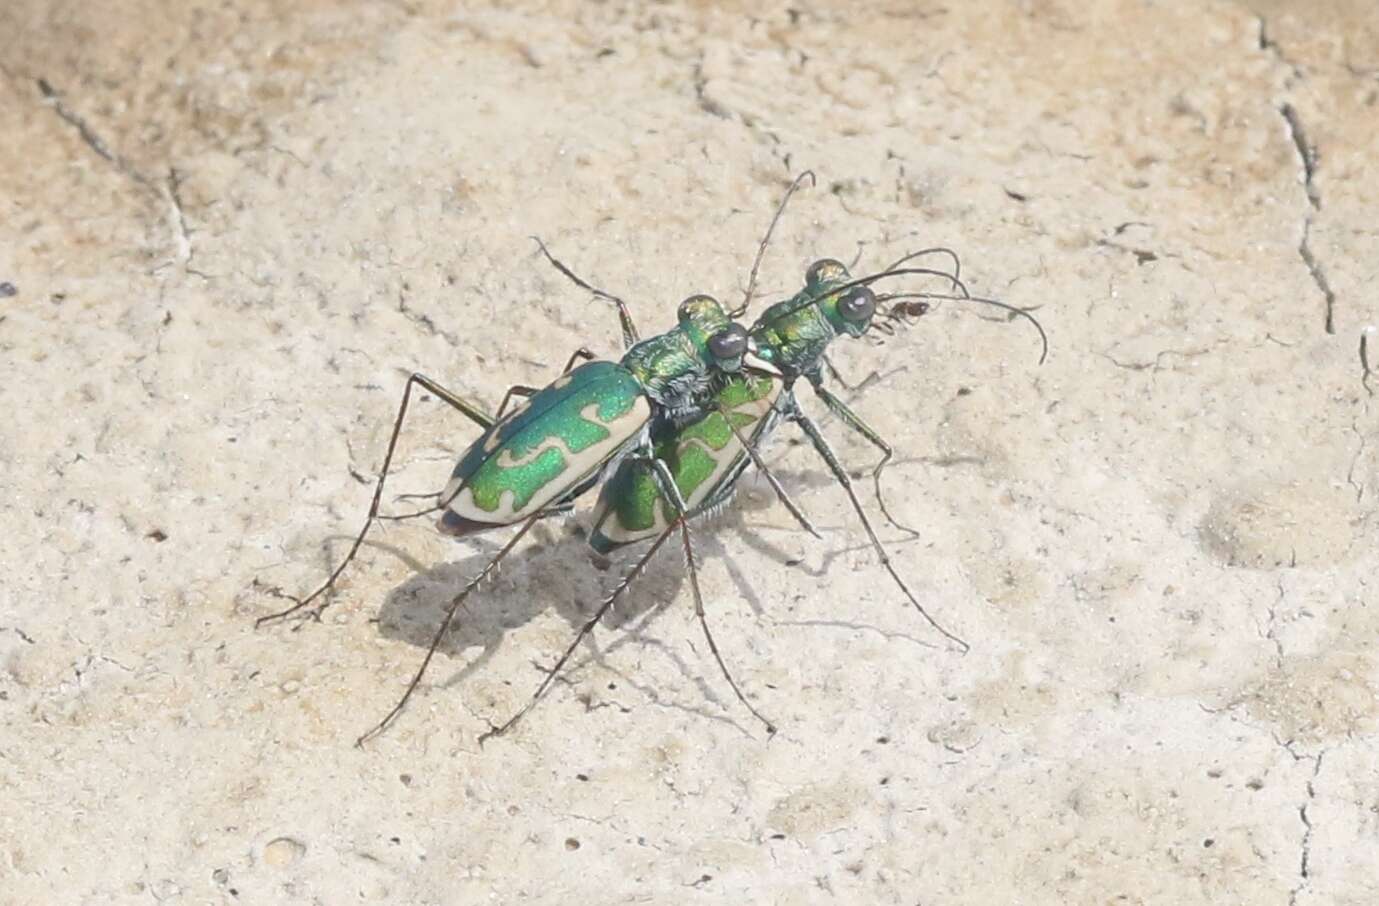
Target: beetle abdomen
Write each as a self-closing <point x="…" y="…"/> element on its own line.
<point x="547" y="450"/>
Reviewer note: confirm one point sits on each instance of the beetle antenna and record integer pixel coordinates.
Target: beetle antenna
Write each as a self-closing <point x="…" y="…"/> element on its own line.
<point x="765" y="240"/>
<point x="901" y="312"/>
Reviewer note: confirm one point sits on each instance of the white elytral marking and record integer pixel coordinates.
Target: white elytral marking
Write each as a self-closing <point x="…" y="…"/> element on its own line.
<point x="727" y="462"/>
<point x="579" y="466"/>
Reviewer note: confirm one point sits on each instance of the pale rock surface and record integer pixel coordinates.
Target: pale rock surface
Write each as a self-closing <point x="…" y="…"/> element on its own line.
<point x="233" y="229"/>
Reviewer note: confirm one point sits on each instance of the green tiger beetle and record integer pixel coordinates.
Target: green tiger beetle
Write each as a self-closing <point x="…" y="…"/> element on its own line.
<point x="706" y="456"/>
<point x="642" y="419"/>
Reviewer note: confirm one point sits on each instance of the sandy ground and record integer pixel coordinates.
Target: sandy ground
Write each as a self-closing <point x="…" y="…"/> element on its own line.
<point x="231" y="230"/>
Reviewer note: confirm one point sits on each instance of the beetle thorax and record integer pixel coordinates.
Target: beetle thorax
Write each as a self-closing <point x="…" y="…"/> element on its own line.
<point x="793" y="341"/>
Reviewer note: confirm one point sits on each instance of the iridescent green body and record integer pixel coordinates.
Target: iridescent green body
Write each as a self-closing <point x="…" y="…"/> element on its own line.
<point x="705" y="457"/>
<point x="793" y="335"/>
<point x="675" y="368"/>
<point x="553" y="447"/>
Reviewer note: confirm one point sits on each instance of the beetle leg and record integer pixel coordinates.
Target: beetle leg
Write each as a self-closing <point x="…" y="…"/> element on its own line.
<point x="474" y="413"/>
<point x="853" y="421"/>
<point x="455" y="604"/>
<point x="521" y="390"/>
<point x="681" y="523"/>
<point x="629" y="329"/>
<point x="588" y="627"/>
<point x="821" y="446"/>
<point x="770" y="478"/>
<point x="672" y="493"/>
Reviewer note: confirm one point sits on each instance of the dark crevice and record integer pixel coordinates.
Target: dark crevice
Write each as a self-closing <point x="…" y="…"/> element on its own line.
<point x="1365" y="370"/>
<point x="1305" y="857"/>
<point x="1268" y="45"/>
<point x="1314" y="267"/>
<point x="1306" y="150"/>
<point x="89" y="136"/>
<point x="706" y="103"/>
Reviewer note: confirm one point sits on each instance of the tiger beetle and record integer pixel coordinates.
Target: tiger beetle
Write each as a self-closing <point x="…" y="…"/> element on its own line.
<point x="706" y="456"/>
<point x="536" y="460"/>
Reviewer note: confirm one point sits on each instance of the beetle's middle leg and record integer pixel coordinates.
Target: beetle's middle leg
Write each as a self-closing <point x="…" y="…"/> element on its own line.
<point x="468" y="409"/>
<point x="854" y="421"/>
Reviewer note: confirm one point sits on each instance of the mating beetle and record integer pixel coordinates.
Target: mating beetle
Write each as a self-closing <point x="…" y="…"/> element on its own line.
<point x="553" y="447"/>
<point x="707" y="455"/>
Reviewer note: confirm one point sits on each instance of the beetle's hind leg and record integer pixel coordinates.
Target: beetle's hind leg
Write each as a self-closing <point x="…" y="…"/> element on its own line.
<point x="680" y="523"/>
<point x="455" y="605"/>
<point x="670" y="491"/>
<point x="469" y="410"/>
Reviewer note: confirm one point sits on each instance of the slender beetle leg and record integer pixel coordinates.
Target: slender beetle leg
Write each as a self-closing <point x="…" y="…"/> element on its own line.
<point x="455" y="605"/>
<point x="853" y="421"/>
<point x="770" y="477"/>
<point x="681" y="523"/>
<point x="821" y="446"/>
<point x="670" y="491"/>
<point x="629" y="329"/>
<point x="469" y="410"/>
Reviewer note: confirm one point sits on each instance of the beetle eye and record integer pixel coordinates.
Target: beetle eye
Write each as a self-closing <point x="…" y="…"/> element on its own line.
<point x="825" y="269"/>
<point x="728" y="343"/>
<point x="858" y="304"/>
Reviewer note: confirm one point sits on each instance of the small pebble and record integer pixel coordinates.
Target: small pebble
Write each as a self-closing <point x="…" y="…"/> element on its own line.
<point x="283" y="851"/>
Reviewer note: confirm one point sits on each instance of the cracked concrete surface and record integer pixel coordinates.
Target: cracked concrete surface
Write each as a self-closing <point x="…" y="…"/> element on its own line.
<point x="231" y="231"/>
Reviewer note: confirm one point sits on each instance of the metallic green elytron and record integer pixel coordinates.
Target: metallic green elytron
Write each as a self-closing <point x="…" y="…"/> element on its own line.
<point x="553" y="447"/>
<point x="704" y="456"/>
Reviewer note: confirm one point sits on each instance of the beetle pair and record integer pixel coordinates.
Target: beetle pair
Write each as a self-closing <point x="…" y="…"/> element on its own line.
<point x="672" y="425"/>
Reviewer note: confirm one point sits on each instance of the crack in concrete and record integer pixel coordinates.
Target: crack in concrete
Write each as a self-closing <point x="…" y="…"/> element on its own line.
<point x="1355" y="461"/>
<point x="88" y="135"/>
<point x="1365" y="370"/>
<point x="1271" y="632"/>
<point x="1314" y="267"/>
<point x="1307" y="151"/>
<point x="424" y="320"/>
<point x="1158" y="357"/>
<point x="1274" y="49"/>
<point x="1308" y="826"/>
<point x="701" y="95"/>
<point x="24" y="636"/>
<point x="169" y="192"/>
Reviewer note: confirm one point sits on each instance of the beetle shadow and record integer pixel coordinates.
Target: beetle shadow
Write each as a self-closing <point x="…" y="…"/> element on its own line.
<point x="555" y="571"/>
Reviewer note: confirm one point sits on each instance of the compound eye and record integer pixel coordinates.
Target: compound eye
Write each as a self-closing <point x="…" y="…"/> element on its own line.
<point x="858" y="304"/>
<point x="825" y="269"/>
<point x="699" y="306"/>
<point x="729" y="343"/>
